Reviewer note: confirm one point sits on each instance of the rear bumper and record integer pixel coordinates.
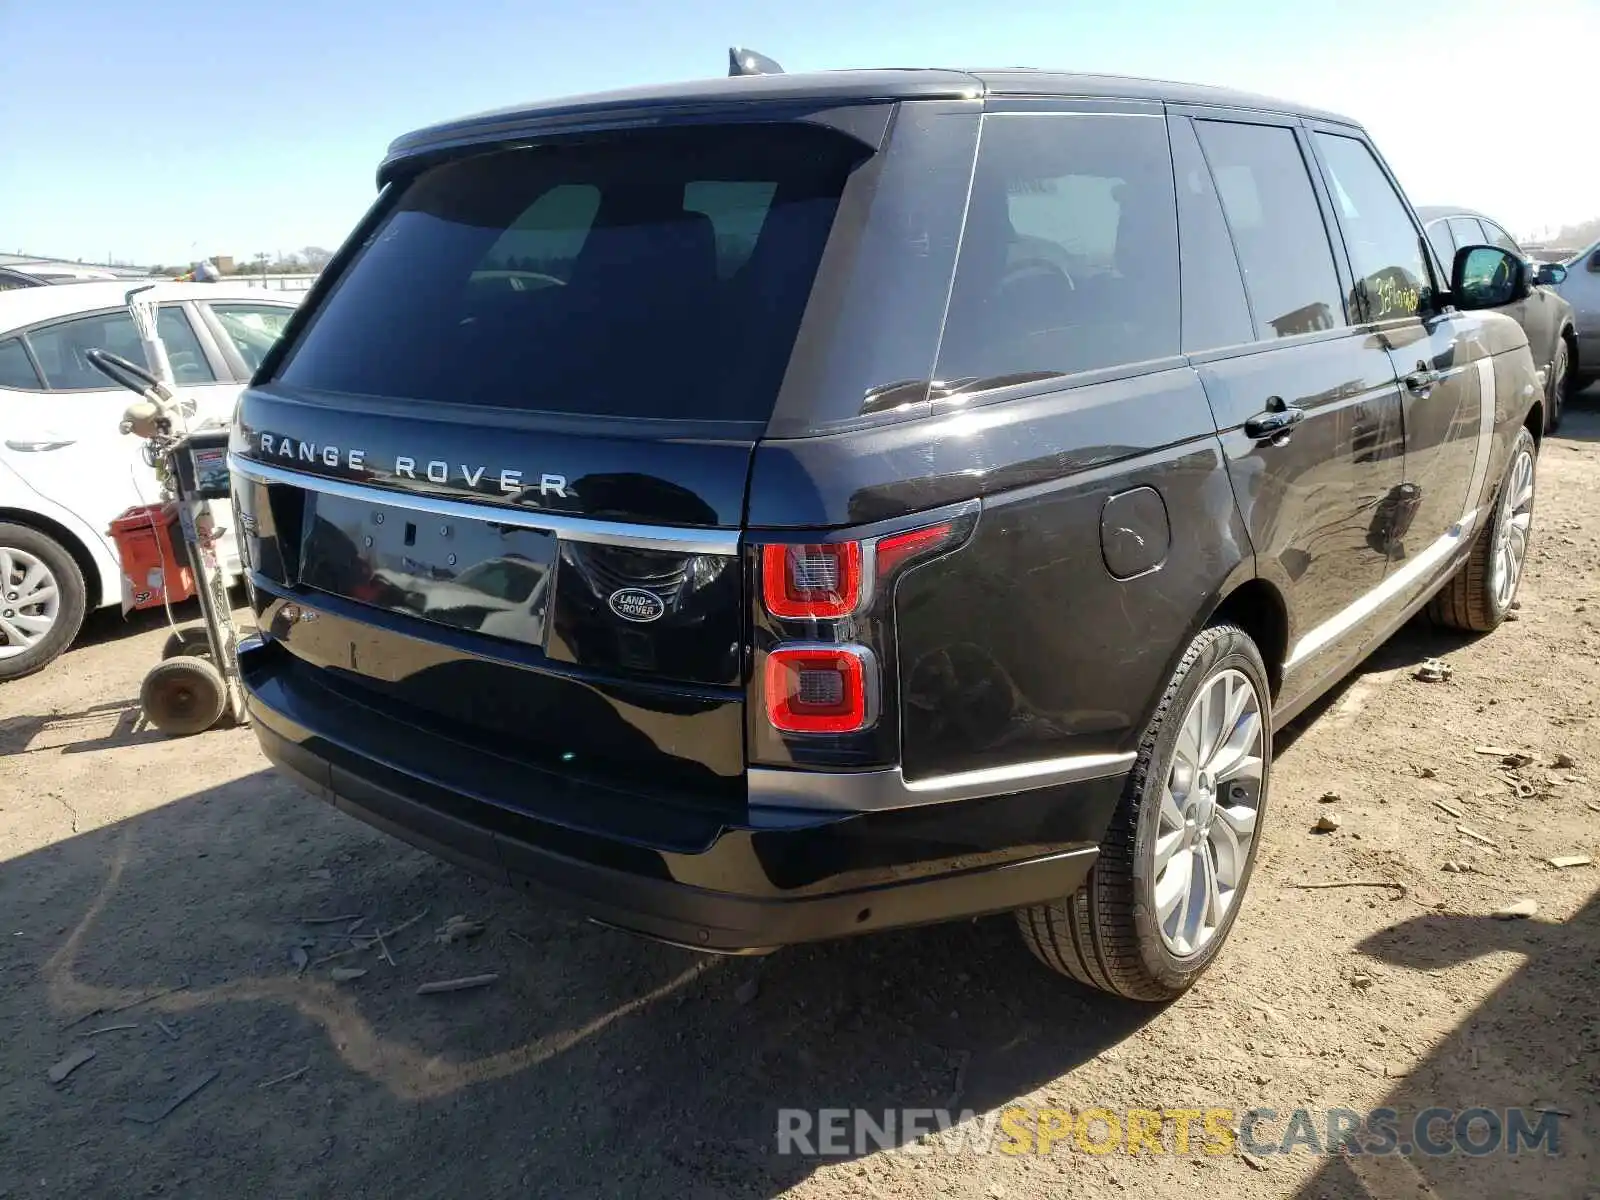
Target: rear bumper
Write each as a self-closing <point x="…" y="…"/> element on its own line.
<point x="776" y="877"/>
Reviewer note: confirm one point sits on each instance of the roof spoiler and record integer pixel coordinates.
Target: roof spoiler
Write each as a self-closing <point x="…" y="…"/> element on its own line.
<point x="750" y="62"/>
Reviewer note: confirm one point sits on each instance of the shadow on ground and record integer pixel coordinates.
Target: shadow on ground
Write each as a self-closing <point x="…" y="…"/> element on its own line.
<point x="1413" y="644"/>
<point x="109" y="624"/>
<point x="98" y="727"/>
<point x="1580" y="422"/>
<point x="1534" y="1044"/>
<point x="596" y="1064"/>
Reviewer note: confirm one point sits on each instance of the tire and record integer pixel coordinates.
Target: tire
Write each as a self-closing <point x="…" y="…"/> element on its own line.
<point x="190" y="642"/>
<point x="1476" y="599"/>
<point x="183" y="696"/>
<point x="1559" y="386"/>
<point x="1110" y="933"/>
<point x="33" y="564"/>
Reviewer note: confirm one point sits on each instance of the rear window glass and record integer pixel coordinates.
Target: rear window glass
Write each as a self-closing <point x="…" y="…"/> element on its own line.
<point x="662" y="275"/>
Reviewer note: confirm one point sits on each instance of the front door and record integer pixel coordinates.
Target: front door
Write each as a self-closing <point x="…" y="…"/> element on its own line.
<point x="1317" y="495"/>
<point x="1444" y="367"/>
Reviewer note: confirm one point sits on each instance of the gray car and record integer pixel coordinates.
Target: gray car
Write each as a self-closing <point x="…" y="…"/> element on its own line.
<point x="1544" y="315"/>
<point x="1581" y="289"/>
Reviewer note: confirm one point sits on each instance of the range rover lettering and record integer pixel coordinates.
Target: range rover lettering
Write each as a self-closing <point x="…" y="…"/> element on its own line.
<point x="782" y="507"/>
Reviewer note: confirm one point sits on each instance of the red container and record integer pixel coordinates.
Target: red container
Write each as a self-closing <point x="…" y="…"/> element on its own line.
<point x="155" y="566"/>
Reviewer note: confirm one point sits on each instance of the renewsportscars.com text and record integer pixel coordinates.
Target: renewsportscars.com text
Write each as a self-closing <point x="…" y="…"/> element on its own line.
<point x="1022" y="1130"/>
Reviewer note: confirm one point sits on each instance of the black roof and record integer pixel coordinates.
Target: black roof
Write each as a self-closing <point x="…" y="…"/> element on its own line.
<point x="819" y="89"/>
<point x="1019" y="81"/>
<point x="1433" y="212"/>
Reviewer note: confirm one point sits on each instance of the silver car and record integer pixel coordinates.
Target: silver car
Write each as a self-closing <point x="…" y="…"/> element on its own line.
<point x="1544" y="315"/>
<point x="1581" y="289"/>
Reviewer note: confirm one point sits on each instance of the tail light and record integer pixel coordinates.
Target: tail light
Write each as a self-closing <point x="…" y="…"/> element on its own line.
<point x="830" y="683"/>
<point x="821" y="582"/>
<point x="821" y="688"/>
<point x="900" y="548"/>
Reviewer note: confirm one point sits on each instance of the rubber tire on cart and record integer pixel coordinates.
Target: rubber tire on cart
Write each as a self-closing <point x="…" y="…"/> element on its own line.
<point x="71" y="598"/>
<point x="1108" y="933"/>
<point x="189" y="642"/>
<point x="1470" y="601"/>
<point x="183" y="695"/>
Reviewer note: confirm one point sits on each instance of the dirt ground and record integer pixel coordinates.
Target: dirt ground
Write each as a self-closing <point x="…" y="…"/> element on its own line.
<point x="169" y="888"/>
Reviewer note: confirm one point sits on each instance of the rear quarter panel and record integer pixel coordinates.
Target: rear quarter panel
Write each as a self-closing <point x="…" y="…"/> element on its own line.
<point x="1022" y="645"/>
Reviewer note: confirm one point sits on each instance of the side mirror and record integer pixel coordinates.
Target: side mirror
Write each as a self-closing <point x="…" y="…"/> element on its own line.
<point x="1487" y="277"/>
<point x="1550" y="274"/>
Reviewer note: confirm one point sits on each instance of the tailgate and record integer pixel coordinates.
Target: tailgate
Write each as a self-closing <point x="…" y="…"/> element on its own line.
<point x="501" y="458"/>
<point x="593" y="646"/>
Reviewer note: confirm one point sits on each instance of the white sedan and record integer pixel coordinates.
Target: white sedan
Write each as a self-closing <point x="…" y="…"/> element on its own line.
<point x="65" y="471"/>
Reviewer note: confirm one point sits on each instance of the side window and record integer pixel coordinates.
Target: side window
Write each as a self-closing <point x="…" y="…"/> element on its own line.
<point x="1276" y="225"/>
<point x="16" y="371"/>
<point x="540" y="246"/>
<point x="1499" y="237"/>
<point x="1443" y="245"/>
<point x="252" y="328"/>
<point x="1215" y="312"/>
<point x="189" y="365"/>
<point x="61" y="349"/>
<point x="1069" y="258"/>
<point x="1467" y="232"/>
<point x="737" y="209"/>
<point x="1390" y="265"/>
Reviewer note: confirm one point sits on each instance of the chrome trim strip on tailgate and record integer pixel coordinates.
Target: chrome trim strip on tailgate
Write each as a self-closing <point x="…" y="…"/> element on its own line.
<point x="871" y="791"/>
<point x="566" y="528"/>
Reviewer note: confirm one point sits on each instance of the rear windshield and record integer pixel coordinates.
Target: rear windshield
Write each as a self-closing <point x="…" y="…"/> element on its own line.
<point x="656" y="275"/>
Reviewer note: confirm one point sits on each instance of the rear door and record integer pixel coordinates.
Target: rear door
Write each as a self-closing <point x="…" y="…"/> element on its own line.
<point x="1317" y="495"/>
<point x="1439" y="353"/>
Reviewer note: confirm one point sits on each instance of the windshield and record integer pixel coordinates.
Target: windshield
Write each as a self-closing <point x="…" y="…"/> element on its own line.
<point x="652" y="275"/>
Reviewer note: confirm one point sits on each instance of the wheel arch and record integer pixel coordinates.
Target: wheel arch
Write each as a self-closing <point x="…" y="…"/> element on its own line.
<point x="1257" y="607"/>
<point x="1254" y="604"/>
<point x="93" y="585"/>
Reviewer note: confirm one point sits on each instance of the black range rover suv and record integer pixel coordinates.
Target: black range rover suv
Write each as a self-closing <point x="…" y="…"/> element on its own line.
<point x="783" y="507"/>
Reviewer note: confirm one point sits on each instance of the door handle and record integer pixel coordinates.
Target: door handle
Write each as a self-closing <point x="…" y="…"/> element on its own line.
<point x="1421" y="381"/>
<point x="29" y="447"/>
<point x="1275" y="424"/>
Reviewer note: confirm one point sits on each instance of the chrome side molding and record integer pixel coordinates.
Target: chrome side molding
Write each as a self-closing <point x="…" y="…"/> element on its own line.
<point x="567" y="528"/>
<point x="877" y="791"/>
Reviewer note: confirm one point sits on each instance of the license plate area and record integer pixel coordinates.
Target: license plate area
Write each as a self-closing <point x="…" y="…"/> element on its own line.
<point x="477" y="575"/>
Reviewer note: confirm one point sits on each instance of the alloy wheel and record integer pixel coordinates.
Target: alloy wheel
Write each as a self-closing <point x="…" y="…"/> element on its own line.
<point x="30" y="601"/>
<point x="1516" y="521"/>
<point x="1210" y="803"/>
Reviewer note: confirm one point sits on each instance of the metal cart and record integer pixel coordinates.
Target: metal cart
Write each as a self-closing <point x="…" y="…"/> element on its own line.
<point x="196" y="684"/>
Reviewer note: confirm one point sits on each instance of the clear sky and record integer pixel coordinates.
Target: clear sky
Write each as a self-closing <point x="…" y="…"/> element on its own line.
<point x="159" y="130"/>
